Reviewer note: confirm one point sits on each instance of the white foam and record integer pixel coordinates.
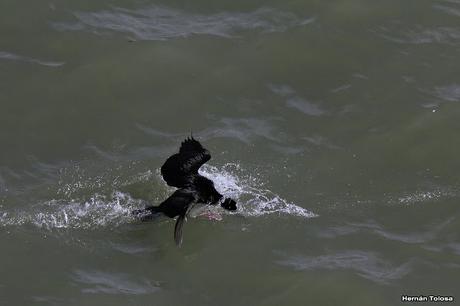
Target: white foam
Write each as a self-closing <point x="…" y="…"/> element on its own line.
<point x="115" y="209"/>
<point x="248" y="191"/>
<point x="98" y="211"/>
<point x="422" y="196"/>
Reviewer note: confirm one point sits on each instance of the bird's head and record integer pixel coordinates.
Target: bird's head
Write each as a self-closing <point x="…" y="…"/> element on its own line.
<point x="229" y="204"/>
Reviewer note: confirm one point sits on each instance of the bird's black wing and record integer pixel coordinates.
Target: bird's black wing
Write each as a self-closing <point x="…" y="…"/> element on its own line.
<point x="194" y="155"/>
<point x="178" y="168"/>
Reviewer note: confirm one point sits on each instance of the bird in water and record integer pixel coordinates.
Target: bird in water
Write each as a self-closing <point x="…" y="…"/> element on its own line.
<point x="181" y="171"/>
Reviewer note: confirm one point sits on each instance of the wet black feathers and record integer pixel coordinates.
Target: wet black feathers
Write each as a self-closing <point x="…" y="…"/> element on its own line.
<point x="177" y="203"/>
<point x="179" y="169"/>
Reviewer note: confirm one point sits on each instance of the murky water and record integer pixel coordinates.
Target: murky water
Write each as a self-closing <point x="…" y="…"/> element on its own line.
<point x="334" y="124"/>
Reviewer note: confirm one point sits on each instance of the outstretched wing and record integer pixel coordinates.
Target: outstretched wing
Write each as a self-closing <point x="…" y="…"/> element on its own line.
<point x="194" y="155"/>
<point x="190" y="144"/>
<point x="178" y="168"/>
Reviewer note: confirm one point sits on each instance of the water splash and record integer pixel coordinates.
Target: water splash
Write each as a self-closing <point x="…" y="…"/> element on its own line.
<point x="115" y="209"/>
<point x="98" y="211"/>
<point x="248" y="191"/>
<point x="422" y="196"/>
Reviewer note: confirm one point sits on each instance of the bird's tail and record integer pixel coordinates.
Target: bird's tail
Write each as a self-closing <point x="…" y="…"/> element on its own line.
<point x="178" y="230"/>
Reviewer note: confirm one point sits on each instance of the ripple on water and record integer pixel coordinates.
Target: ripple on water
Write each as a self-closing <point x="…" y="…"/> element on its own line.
<point x="163" y="23"/>
<point x="49" y="300"/>
<point x="15" y="57"/>
<point x="114" y="283"/>
<point x="412" y="237"/>
<point x="419" y="34"/>
<point x="449" y="9"/>
<point x="243" y="129"/>
<point x="132" y="249"/>
<point x="365" y="264"/>
<point x="293" y="100"/>
<point x="374" y="228"/>
<point x="450" y="93"/>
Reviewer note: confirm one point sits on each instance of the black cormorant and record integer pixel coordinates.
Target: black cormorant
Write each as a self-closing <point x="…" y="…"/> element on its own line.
<point x="181" y="170"/>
